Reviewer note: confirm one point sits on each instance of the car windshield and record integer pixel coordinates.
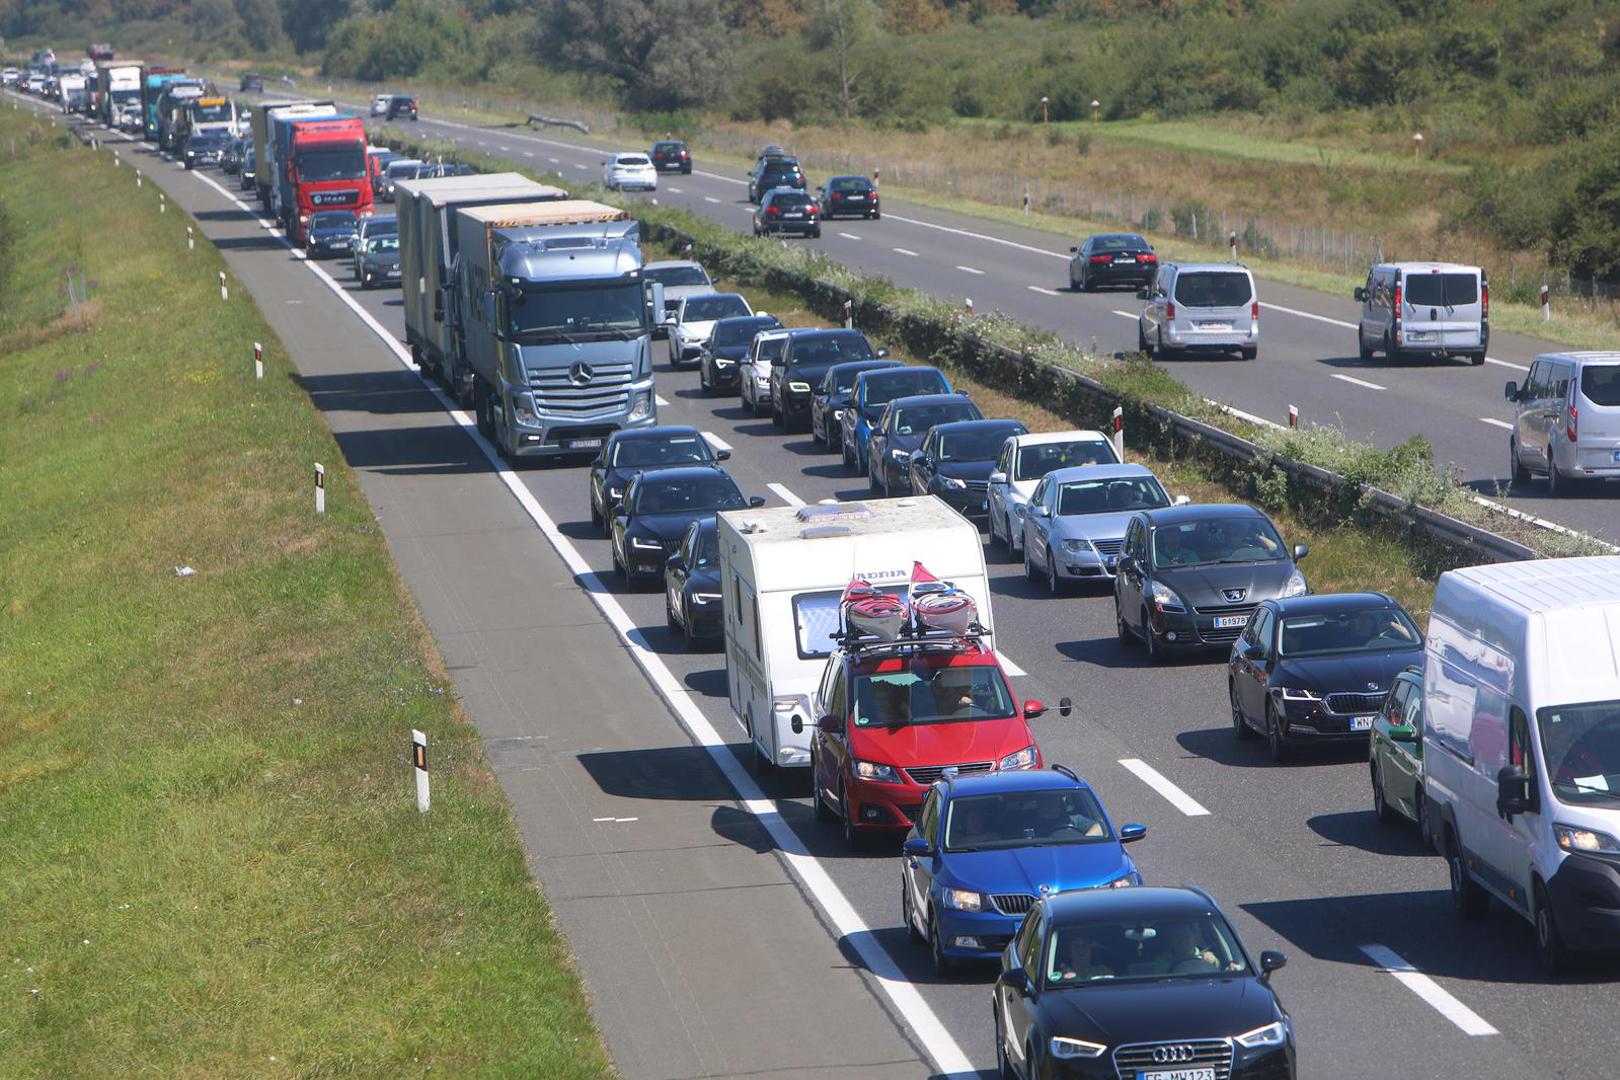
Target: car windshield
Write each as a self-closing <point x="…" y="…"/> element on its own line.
<point x="661" y="450"/>
<point x="573" y="310"/>
<point x="1213" y="288"/>
<point x="382" y="227"/>
<point x="677" y="275"/>
<point x="1035" y="462"/>
<point x="709" y="308"/>
<point x="1025" y="819"/>
<point x="1118" y="243"/>
<point x="1117" y="496"/>
<point x="879" y="392"/>
<point x="1216" y="540"/>
<point x="1600" y="383"/>
<point x="346" y="163"/>
<point x="688" y="494"/>
<point x="1581" y="747"/>
<point x="1441" y="290"/>
<point x="1186" y="947"/>
<point x="916" y="419"/>
<point x="850" y="183"/>
<point x="844" y="381"/>
<point x="734" y="332"/>
<point x="212" y="113"/>
<point x="385" y="242"/>
<point x="1365" y="630"/>
<point x="332" y="219"/>
<point x="820" y="349"/>
<point x="974" y="444"/>
<point x="924" y="694"/>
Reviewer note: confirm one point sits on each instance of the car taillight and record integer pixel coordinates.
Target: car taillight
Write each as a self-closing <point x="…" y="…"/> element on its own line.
<point x="1569" y="430"/>
<point x="1484" y="300"/>
<point x="836" y="196"/>
<point x="1254" y="311"/>
<point x="1169" y="309"/>
<point x="771" y="211"/>
<point x="684" y="153"/>
<point x="813" y="209"/>
<point x="1102" y="258"/>
<point x="1397" y="301"/>
<point x="1147" y="256"/>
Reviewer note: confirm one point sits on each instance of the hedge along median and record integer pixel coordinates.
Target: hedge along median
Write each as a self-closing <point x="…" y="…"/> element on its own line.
<point x="1315" y="467"/>
<point x="212" y="860"/>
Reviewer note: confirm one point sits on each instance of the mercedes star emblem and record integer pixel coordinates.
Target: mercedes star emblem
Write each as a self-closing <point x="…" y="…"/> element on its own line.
<point x="580" y="373"/>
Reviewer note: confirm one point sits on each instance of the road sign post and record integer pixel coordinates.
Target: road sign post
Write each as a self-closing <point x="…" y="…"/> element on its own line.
<point x="320" y="488"/>
<point x="1119" y="432"/>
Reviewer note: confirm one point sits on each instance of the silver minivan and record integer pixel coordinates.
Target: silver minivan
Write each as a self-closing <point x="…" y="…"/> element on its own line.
<point x="1567" y="426"/>
<point x="1424" y="309"/>
<point x="1199" y="308"/>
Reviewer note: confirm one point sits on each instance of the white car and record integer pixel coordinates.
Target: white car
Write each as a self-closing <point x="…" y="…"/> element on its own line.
<point x="623" y="171"/>
<point x="379" y="104"/>
<point x="754" y="373"/>
<point x="1023" y="461"/>
<point x="10" y="76"/>
<point x="694" y="323"/>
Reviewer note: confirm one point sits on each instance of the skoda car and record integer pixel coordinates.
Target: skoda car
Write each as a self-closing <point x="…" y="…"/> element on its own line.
<point x="330" y="233"/>
<point x="721" y="359"/>
<point x="206" y="148"/>
<point x="871" y="394"/>
<point x="1075" y="523"/>
<point x="906" y="423"/>
<point x="1317" y="669"/>
<point x="658" y="506"/>
<point x="1189" y="577"/>
<point x="986" y="846"/>
<point x="956" y="459"/>
<point x="1024" y="460"/>
<point x="629" y="451"/>
<point x="692" y="585"/>
<point x="1143" y="983"/>
<point x="831" y="397"/>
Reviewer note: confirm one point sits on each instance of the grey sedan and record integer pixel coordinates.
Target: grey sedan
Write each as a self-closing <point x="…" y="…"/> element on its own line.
<point x="1077" y="518"/>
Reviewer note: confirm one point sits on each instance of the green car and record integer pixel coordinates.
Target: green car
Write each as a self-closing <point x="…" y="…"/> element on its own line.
<point x="1395" y="753"/>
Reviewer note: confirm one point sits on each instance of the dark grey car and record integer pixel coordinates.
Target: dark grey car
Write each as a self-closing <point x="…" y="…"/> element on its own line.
<point x="376" y="260"/>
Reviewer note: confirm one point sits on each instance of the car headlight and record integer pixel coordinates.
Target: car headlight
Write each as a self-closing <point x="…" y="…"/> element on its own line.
<point x="799" y="387"/>
<point x="962" y="900"/>
<point x="838" y="414"/>
<point x="615" y="492"/>
<point x="762" y="381"/>
<point x="705" y="598"/>
<point x="642" y="409"/>
<point x="721" y="361"/>
<point x="1023" y="759"/>
<point x="1293" y="693"/>
<point x="1571" y="838"/>
<point x="901" y="456"/>
<point x="1296" y="585"/>
<point x="303" y="219"/>
<point x="881" y="774"/>
<point x="1273" y="1034"/>
<point x="643" y="544"/>
<point x="951" y="483"/>
<point x="1068" y="1049"/>
<point x="1077" y="547"/>
<point x="1164" y="598"/>
<point x="523" y="406"/>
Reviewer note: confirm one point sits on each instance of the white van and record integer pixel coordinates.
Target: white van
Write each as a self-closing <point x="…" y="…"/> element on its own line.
<point x="1424" y="309"/>
<point x="782" y="572"/>
<point x="1521" y="732"/>
<point x="1199" y="308"/>
<point x="1567" y="420"/>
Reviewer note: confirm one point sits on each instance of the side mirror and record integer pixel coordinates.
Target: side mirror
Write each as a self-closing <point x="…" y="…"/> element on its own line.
<point x="1065" y="706"/>
<point x="1361" y="295"/>
<point x="883" y="354"/>
<point x="1015" y="977"/>
<point x="830" y="723"/>
<point x="1033" y="709"/>
<point x="916" y="847"/>
<point x="1130" y="834"/>
<point x="1402" y="733"/>
<point x="489" y="308"/>
<point x="1074" y="249"/>
<point x="756" y="501"/>
<point x="1271" y="960"/>
<point x="1512" y="791"/>
<point x="1142" y="294"/>
<point x="1253" y="652"/>
<point x="1183" y="500"/>
<point x="673" y="560"/>
<point x="998" y="478"/>
<point x="722" y="455"/>
<point x="1511" y="390"/>
<point x="1040" y="511"/>
<point x="1300" y="551"/>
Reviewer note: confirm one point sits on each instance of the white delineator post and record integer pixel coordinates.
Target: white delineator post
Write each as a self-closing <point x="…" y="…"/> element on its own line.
<point x="1231" y="242"/>
<point x="258" y="360"/>
<point x="1293" y="416"/>
<point x="224" y="289"/>
<point x="419" y="764"/>
<point x="1546" y="304"/>
<point x="138" y="178"/>
<point x="1119" y="432"/>
<point x="191" y="239"/>
<point x="849" y="314"/>
<point x="967" y="303"/>
<point x="320" y="488"/>
<point x="163" y="203"/>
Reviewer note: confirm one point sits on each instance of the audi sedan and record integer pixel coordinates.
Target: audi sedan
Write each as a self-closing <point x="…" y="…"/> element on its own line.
<point x="1112" y="259"/>
<point x="719" y="364"/>
<point x="955" y="462"/>
<point x="657" y="508"/>
<point x="629" y="451"/>
<point x="692" y="586"/>
<point x="906" y="423"/>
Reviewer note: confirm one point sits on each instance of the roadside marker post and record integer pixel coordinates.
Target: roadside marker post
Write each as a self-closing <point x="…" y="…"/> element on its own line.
<point x="1119" y="432"/>
<point x="258" y="360"/>
<point x="967" y="303"/>
<point x="1231" y="242"/>
<point x="163" y="203"/>
<point x="849" y="314"/>
<point x="320" y="488"/>
<point x="419" y="765"/>
<point x="224" y="289"/>
<point x="138" y="178"/>
<point x="1546" y="303"/>
<point x="191" y="239"/>
<point x="1293" y="416"/>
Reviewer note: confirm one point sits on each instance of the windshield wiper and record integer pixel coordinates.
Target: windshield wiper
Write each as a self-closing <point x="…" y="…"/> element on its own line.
<point x="1588" y="789"/>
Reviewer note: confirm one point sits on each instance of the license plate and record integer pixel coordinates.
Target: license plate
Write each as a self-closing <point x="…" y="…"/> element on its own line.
<point x="393" y="273"/>
<point x="1361" y="723"/>
<point x="1226" y="622"/>
<point x="793" y="215"/>
<point x="1124" y="262"/>
<point x="1215" y="326"/>
<point x="583" y="444"/>
<point x="1418" y="335"/>
<point x="1177" y="1074"/>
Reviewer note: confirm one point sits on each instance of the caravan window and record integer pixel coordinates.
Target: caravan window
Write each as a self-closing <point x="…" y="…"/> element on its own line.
<point x="815" y="620"/>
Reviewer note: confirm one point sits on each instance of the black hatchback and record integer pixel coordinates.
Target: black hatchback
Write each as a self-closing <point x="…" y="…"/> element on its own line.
<point x="671" y="155"/>
<point x="773" y="173"/>
<point x="1316" y="669"/>
<point x="831" y="397"/>
<point x="1112" y="259"/>
<point x="850" y="196"/>
<point x="1142" y="982"/>
<point x="1189" y="577"/>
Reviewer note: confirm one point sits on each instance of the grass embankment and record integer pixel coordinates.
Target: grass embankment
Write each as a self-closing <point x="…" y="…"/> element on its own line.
<point x="213" y="864"/>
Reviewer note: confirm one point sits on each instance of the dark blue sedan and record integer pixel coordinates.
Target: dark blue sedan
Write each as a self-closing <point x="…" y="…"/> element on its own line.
<point x="331" y="234"/>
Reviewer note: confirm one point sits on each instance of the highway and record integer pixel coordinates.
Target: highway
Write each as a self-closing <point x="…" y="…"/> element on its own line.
<point x="1382" y="979"/>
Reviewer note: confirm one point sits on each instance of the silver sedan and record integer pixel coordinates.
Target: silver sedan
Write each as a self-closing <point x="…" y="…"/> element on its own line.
<point x="1077" y="517"/>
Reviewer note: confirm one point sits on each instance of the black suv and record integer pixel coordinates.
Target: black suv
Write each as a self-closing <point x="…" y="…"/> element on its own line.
<point x="671" y="155"/>
<point x="401" y="106"/>
<point x="773" y="173"/>
<point x="802" y="364"/>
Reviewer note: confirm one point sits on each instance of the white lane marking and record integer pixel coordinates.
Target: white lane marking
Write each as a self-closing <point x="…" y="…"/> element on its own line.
<point x="973" y="235"/>
<point x="1494" y="422"/>
<point x="577" y="165"/>
<point x="506" y="149"/>
<point x="528" y="153"/>
<point x="1543" y="523"/>
<point x="1353" y="381"/>
<point x="480" y="142"/>
<point x="1506" y="364"/>
<point x="846" y="923"/>
<point x="554" y="161"/>
<point x="675" y="190"/>
<point x="717" y="176"/>
<point x="710" y="199"/>
<point x="1156" y="780"/>
<point x="659" y="399"/>
<point x="1007" y="665"/>
<point x="849" y="236"/>
<point x="970" y="270"/>
<point x="1308" y="315"/>
<point x="785" y="495"/>
<point x="1043" y="291"/>
<point x="716" y="441"/>
<point x="1127" y="315"/>
<point x="905" y="251"/>
<point x="1433" y="994"/>
<point x="618" y="820"/>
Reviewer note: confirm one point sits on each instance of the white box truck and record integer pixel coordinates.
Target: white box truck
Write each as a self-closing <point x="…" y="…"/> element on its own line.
<point x="1521" y="727"/>
<point x="783" y="570"/>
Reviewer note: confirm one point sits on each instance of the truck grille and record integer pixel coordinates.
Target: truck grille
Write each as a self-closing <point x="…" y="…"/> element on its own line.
<point x="334" y="198"/>
<point x="927" y="774"/>
<point x="1012" y="903"/>
<point x="599" y="388"/>
<point x="1355" y="704"/>
<point x="1136" y="1058"/>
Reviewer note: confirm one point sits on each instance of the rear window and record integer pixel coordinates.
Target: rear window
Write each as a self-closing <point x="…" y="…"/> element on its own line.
<point x="850" y="183"/>
<point x="668" y="148"/>
<point x="1442" y="290"/>
<point x="1600" y="383"/>
<point x="1118" y="243"/>
<point x="1213" y="288"/>
<point x="791" y="201"/>
<point x="634" y="159"/>
<point x="781" y="168"/>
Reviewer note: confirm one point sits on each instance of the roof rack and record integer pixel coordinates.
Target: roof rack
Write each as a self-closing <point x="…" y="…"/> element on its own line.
<point x="910" y="642"/>
<point x="1066" y="771"/>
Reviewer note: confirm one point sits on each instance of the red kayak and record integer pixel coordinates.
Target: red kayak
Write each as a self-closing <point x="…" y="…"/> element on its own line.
<point x="939" y="605"/>
<point x="871" y="613"/>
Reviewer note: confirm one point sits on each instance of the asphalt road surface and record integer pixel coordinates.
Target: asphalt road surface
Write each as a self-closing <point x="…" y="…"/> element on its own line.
<point x="719" y="929"/>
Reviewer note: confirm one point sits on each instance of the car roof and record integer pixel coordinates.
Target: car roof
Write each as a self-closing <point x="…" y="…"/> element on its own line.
<point x="1177" y="515"/>
<point x="684" y="472"/>
<point x="964" y="784"/>
<point x="864" y="365"/>
<point x="982" y="422"/>
<point x="1215" y="268"/>
<point x="1097" y="472"/>
<point x="671" y="264"/>
<point x="826" y="332"/>
<point x="1141" y="902"/>
<point x="1328" y="602"/>
<point x="758" y="316"/>
<point x="972" y="654"/>
<point x="1429" y="267"/>
<point x="657" y="432"/>
<point x="1048" y="438"/>
<point x="927" y="399"/>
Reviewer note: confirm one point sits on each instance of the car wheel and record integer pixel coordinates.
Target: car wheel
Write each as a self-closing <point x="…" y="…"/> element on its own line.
<point x="877" y="215"/>
<point x="1155" y="651"/>
<point x="1121" y="627"/>
<point x="1086" y="284"/>
<point x="703" y="380"/>
<point x="1029" y="567"/>
<point x="1385" y="813"/>
<point x="1142" y="341"/>
<point x="872" y="484"/>
<point x="1251" y="351"/>
<point x="1555" y="956"/>
<point x="1276" y="740"/>
<point x="619" y="569"/>
<point x="1477" y="359"/>
<point x="1555" y="483"/>
<point x="1517" y="473"/>
<point x="943" y="964"/>
<point x="778" y="420"/>
<point x="1240" y="726"/>
<point x="1362" y="347"/>
<point x="597" y="520"/>
<point x="1391" y="353"/>
<point x="1004" y="1069"/>
<point x="824" y="812"/>
<point x="1468" y="899"/>
<point x="689" y="637"/>
<point x="906" y="912"/>
<point x="670" y="620"/>
<point x="852" y="835"/>
<point x="1054" y="584"/>
<point x="815" y="234"/>
<point x="849" y="459"/>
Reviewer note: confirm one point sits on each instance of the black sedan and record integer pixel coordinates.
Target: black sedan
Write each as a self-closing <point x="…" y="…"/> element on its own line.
<point x="1143" y="983"/>
<point x="692" y="585"/>
<point x="1112" y="259"/>
<point x="787" y="210"/>
<point x="205" y="148"/>
<point x="632" y="450"/>
<point x="906" y="423"/>
<point x="1316" y="669"/>
<point x="1189" y="577"/>
<point x="850" y="196"/>
<point x="657" y="508"/>
<point x="832" y="397"/>
<point x="400" y="107"/>
<point x="671" y="155"/>
<point x="956" y="460"/>
<point x="331" y="233"/>
<point x="727" y="347"/>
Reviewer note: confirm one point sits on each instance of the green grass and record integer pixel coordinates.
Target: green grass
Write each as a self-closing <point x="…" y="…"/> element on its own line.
<point x="1222" y="137"/>
<point x="213" y="865"/>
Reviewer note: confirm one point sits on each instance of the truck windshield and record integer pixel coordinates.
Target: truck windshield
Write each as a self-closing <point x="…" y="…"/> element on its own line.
<point x="124" y="97"/>
<point x="1581" y="747"/>
<point x="540" y="312"/>
<point x="926" y="694"/>
<point x="339" y="163"/>
<point x="211" y="114"/>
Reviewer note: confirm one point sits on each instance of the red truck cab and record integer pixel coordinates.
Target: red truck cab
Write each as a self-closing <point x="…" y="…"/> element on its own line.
<point x="328" y="169"/>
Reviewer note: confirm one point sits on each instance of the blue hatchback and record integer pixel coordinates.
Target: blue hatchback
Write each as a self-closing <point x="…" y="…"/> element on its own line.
<point x="986" y="846"/>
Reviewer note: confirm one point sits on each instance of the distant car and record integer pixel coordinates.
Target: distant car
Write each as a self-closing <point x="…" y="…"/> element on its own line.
<point x="768" y="152"/>
<point x="250" y="84"/>
<point x="1189" y="577"/>
<point x="1566" y="422"/>
<point x="772" y="173"/>
<point x="1027" y="458"/>
<point x="1075" y="522"/>
<point x="786" y="210"/>
<point x="849" y="196"/>
<point x="1395" y="754"/>
<point x="623" y="172"/>
<point x="805" y="359"/>
<point x="905" y="423"/>
<point x="831" y="397"/>
<point x="379" y="104"/>
<point x="1199" y="308"/>
<point x="376" y="257"/>
<point x="1424" y="309"/>
<point x="1146" y="983"/>
<point x="754" y="373"/>
<point x="231" y="162"/>
<point x="9" y="76"/>
<point x="205" y="148"/>
<point x="871" y="394"/>
<point x="629" y="451"/>
<point x="956" y="459"/>
<point x="986" y="846"/>
<point x="330" y="233"/>
<point x="657" y="508"/>
<point x="694" y="322"/>
<point x="671" y="155"/>
<point x="379" y="160"/>
<point x="1316" y="669"/>
<point x="400" y="107"/>
<point x="721" y="359"/>
<point x="692" y="586"/>
<point x="679" y="277"/>
<point x="247" y="175"/>
<point x="1112" y="259"/>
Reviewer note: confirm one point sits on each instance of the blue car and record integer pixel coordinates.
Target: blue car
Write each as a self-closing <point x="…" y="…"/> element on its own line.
<point x="872" y="392"/>
<point x="986" y="846"/>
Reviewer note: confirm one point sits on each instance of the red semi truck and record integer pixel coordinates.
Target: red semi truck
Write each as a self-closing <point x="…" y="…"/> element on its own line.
<point x="326" y="168"/>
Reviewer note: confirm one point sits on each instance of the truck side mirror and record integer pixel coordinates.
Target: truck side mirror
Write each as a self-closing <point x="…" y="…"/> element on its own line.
<point x="1361" y="295"/>
<point x="1512" y="791"/>
<point x="1511" y="390"/>
<point x="438" y="304"/>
